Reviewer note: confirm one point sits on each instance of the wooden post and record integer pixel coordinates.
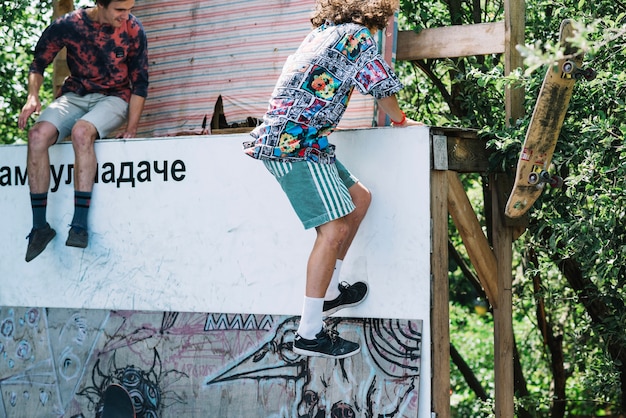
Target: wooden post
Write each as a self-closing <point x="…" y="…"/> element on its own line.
<point x="514" y="22"/>
<point x="503" y="311"/>
<point x="59" y="65"/>
<point x="440" y="314"/>
<point x="514" y="18"/>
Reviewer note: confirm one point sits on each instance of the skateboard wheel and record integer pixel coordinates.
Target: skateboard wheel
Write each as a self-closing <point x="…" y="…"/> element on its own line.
<point x="556" y="181"/>
<point x="545" y="177"/>
<point x="568" y="67"/>
<point x="533" y="178"/>
<point x="589" y="74"/>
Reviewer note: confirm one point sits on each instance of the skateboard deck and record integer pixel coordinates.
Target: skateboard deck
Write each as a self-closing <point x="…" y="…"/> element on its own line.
<point x="117" y="403"/>
<point x="545" y="125"/>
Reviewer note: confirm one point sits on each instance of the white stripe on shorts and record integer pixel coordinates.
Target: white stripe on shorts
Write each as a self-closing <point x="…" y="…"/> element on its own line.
<point x="337" y="200"/>
<point x="277" y="168"/>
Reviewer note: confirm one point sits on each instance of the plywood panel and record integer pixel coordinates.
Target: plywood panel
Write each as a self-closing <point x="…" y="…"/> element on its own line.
<point x="221" y="239"/>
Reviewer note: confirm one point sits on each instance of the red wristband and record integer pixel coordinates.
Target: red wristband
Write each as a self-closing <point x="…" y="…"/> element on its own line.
<point x="401" y="122"/>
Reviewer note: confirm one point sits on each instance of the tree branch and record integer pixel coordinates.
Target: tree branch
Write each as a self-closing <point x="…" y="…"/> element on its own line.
<point x="554" y="344"/>
<point x="467" y="373"/>
<point x="589" y="296"/>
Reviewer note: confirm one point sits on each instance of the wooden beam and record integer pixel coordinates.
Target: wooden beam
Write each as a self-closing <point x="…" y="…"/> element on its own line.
<point x="514" y="20"/>
<point x="515" y="16"/>
<point x="476" y="244"/>
<point x="440" y="311"/>
<point x="466" y="151"/>
<point x="468" y="155"/>
<point x="451" y="41"/>
<point x="60" y="70"/>
<point x="503" y="310"/>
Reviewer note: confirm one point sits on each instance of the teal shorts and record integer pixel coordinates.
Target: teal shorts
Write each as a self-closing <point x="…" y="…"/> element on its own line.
<point x="106" y="113"/>
<point x="317" y="192"/>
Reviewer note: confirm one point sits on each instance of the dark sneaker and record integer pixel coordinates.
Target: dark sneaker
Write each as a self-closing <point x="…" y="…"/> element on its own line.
<point x="350" y="295"/>
<point x="77" y="237"/>
<point x="327" y="343"/>
<point x="37" y="241"/>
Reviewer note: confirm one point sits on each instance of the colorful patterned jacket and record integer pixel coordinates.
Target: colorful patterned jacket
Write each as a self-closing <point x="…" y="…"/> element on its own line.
<point x="313" y="91"/>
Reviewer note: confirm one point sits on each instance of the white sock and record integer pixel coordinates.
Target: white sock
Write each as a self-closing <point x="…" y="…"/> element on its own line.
<point x="311" y="321"/>
<point x="333" y="288"/>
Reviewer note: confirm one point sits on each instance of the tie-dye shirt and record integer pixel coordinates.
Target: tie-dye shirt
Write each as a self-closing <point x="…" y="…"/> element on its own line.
<point x="313" y="91"/>
<point x="101" y="58"/>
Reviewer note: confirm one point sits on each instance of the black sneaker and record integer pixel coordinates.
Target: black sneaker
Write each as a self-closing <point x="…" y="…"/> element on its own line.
<point x="77" y="237"/>
<point x="327" y="343"/>
<point x="349" y="295"/>
<point x="37" y="241"/>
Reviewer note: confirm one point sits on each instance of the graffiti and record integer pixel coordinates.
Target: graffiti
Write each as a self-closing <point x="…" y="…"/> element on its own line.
<point x="329" y="387"/>
<point x="142" y="386"/>
<point x="59" y="362"/>
<point x="216" y="322"/>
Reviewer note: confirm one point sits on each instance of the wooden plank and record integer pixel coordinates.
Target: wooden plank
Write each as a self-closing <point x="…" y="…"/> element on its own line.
<point x="466" y="133"/>
<point x="468" y="155"/>
<point x="514" y="12"/>
<point x="478" y="249"/>
<point x="60" y="71"/>
<point x="503" y="310"/>
<point x="514" y="18"/>
<point x="439" y="152"/>
<point x="225" y="131"/>
<point x="451" y="41"/>
<point x="440" y="315"/>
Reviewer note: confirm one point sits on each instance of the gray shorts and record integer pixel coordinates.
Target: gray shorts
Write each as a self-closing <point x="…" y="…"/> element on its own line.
<point x="106" y="113"/>
<point x="317" y="192"/>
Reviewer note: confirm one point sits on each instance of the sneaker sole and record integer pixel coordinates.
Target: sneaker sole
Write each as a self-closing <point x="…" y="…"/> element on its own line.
<point x="318" y="354"/>
<point x="338" y="308"/>
<point x="76" y="244"/>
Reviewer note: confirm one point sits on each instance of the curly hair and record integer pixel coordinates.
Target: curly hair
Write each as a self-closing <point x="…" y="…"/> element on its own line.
<point x="373" y="14"/>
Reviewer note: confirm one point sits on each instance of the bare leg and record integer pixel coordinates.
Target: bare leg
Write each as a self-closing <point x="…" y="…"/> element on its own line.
<point x="330" y="239"/>
<point x="333" y="241"/>
<point x="84" y="136"/>
<point x="362" y="198"/>
<point x="40" y="137"/>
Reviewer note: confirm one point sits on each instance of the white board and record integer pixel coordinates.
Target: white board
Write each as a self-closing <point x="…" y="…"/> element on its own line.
<point x="223" y="238"/>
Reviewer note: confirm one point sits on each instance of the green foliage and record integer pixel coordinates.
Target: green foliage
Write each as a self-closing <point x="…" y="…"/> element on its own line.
<point x="586" y="221"/>
<point x="472" y="336"/>
<point x="21" y="23"/>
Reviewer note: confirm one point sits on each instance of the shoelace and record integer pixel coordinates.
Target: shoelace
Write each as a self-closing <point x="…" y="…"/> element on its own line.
<point x="344" y="286"/>
<point x="332" y="334"/>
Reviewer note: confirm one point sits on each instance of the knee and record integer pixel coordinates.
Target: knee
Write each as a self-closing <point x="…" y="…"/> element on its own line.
<point x="83" y="134"/>
<point x="40" y="139"/>
<point x="366" y="199"/>
<point x="362" y="200"/>
<point x="335" y="232"/>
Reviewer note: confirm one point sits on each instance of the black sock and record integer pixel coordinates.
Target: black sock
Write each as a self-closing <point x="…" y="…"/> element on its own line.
<point x="82" y="201"/>
<point x="39" y="204"/>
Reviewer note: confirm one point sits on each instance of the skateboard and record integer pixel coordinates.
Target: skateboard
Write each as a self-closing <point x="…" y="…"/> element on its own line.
<point x="545" y="125"/>
<point x="117" y="403"/>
